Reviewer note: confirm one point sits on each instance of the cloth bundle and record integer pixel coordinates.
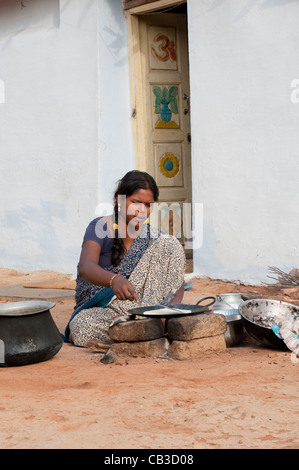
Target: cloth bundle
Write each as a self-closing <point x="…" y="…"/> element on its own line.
<point x="286" y="327"/>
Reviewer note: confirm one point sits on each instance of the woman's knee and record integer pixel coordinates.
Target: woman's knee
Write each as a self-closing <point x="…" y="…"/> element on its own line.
<point x="88" y="325"/>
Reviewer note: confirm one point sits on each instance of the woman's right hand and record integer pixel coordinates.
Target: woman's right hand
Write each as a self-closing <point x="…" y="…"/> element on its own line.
<point x="90" y="270"/>
<point x="124" y="289"/>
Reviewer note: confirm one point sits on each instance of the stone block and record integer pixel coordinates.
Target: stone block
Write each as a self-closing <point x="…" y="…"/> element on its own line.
<point x="155" y="348"/>
<point x="192" y="327"/>
<point x="137" y="330"/>
<point x="196" y="348"/>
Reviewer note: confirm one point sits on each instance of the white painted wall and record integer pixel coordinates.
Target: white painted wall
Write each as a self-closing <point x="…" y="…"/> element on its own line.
<point x="245" y="139"/>
<point x="65" y="130"/>
<point x="115" y="129"/>
<point x="65" y="73"/>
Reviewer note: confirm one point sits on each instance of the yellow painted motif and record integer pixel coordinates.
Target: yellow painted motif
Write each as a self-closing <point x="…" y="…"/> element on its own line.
<point x="166" y="125"/>
<point x="169" y="165"/>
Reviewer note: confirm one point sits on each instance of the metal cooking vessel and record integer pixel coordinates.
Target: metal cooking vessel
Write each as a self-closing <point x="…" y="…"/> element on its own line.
<point x="28" y="333"/>
<point x="234" y="332"/>
<point x="258" y="317"/>
<point x="227" y="305"/>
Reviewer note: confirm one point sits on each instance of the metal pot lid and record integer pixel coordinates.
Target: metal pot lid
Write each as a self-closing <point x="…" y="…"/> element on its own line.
<point x="26" y="307"/>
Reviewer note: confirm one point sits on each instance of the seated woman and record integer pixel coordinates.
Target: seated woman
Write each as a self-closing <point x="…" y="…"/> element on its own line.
<point x="124" y="259"/>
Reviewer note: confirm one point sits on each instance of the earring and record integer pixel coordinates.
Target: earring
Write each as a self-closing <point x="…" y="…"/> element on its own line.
<point x="118" y="207"/>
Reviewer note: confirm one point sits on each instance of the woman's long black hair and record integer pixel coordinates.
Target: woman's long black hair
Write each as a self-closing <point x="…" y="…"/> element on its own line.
<point x="128" y="185"/>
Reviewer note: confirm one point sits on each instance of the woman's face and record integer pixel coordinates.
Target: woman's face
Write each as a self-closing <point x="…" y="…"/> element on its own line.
<point x="138" y="207"/>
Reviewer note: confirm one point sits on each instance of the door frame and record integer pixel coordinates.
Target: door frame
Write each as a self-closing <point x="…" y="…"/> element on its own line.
<point x="136" y="77"/>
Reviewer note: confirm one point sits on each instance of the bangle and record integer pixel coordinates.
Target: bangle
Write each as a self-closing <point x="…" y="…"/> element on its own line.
<point x="111" y="280"/>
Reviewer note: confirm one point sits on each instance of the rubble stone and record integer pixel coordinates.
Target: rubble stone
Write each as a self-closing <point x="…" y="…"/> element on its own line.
<point x="194" y="349"/>
<point x="294" y="272"/>
<point x="292" y="292"/>
<point x="193" y="327"/>
<point x="154" y="348"/>
<point x="137" y="330"/>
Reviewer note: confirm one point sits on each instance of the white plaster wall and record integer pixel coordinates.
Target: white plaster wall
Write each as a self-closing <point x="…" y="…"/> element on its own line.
<point x="56" y="141"/>
<point x="65" y="131"/>
<point x="245" y="139"/>
<point x="115" y="129"/>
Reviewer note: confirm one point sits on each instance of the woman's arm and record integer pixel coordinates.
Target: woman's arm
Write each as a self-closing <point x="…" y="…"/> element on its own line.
<point x="91" y="271"/>
<point x="89" y="268"/>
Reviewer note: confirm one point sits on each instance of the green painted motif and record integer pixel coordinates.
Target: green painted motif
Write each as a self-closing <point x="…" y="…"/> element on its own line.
<point x="166" y="96"/>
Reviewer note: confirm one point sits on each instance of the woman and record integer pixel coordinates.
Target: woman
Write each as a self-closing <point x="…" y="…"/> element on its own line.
<point x="123" y="260"/>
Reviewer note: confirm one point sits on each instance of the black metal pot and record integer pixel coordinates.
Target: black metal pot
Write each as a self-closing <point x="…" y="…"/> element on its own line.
<point x="28" y="333"/>
<point x="264" y="336"/>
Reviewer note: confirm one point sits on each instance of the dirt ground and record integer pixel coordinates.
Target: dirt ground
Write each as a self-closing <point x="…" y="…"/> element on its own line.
<point x="243" y="398"/>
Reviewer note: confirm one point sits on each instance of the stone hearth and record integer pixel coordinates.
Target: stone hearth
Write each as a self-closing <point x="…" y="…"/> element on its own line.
<point x="181" y="338"/>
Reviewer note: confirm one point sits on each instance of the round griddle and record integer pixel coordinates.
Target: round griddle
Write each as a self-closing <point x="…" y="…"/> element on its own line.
<point x="174" y="310"/>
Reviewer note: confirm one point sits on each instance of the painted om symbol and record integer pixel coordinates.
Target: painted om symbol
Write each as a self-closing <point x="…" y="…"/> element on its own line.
<point x="166" y="47"/>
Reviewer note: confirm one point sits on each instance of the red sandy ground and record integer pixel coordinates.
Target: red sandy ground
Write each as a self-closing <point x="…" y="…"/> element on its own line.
<point x="245" y="397"/>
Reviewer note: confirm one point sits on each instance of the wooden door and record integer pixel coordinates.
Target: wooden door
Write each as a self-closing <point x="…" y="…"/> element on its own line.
<point x="167" y="139"/>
